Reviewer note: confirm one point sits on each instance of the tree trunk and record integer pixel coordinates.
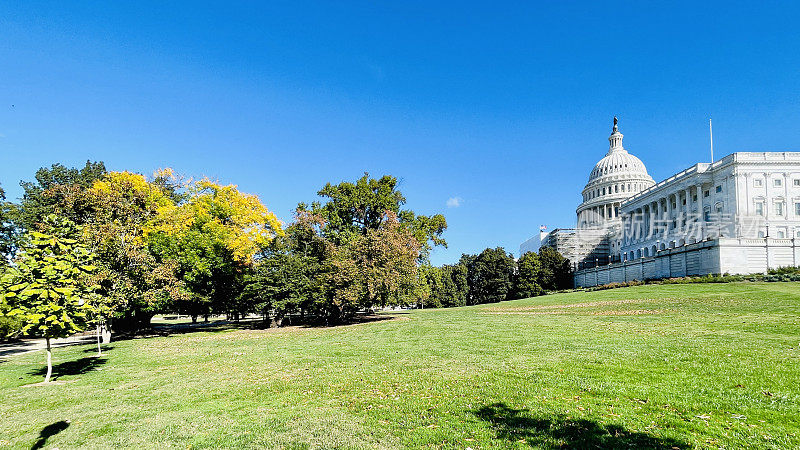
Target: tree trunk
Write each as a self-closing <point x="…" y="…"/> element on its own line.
<point x="49" y="361"/>
<point x="99" y="339"/>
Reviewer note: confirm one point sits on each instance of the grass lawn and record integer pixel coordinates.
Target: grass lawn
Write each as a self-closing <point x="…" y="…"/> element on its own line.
<point x="704" y="365"/>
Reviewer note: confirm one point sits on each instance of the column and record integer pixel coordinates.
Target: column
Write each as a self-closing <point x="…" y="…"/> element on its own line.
<point x="685" y="228"/>
<point x="670" y="212"/>
<point x="701" y="211"/>
<point x="653" y="218"/>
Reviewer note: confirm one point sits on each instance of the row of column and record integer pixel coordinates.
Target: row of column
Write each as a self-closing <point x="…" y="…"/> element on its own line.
<point x="599" y="214"/>
<point x="652" y="221"/>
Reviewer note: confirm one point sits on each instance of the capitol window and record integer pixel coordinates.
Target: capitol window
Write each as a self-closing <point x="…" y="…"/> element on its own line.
<point x="797" y="209"/>
<point x="757" y="182"/>
<point x="718" y="207"/>
<point x="777" y="182"/>
<point x="719" y="189"/>
<point x="781" y="234"/>
<point x="706" y="193"/>
<point x="759" y="208"/>
<point x="797" y="182"/>
<point x="778" y="206"/>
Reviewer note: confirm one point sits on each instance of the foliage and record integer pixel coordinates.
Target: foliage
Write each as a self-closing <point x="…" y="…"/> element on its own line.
<point x="52" y="191"/>
<point x="136" y="284"/>
<point x="377" y="268"/>
<point x="448" y="286"/>
<point x="212" y="237"/>
<point x="526" y="279"/>
<point x="291" y="274"/>
<point x="490" y="275"/>
<point x="48" y="286"/>
<point x="352" y="209"/>
<point x="555" y="271"/>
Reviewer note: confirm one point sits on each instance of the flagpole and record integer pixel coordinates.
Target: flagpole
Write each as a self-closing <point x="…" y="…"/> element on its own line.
<point x="711" y="137"/>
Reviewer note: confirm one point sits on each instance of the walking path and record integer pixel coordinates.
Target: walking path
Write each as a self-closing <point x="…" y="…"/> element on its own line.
<point x="32" y="345"/>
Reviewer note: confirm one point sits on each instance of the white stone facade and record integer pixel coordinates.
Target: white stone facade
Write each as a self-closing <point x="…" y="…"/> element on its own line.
<point x="743" y="195"/>
<point x="738" y="215"/>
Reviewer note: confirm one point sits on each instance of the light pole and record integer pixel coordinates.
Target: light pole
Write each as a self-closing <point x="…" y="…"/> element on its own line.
<point x="766" y="244"/>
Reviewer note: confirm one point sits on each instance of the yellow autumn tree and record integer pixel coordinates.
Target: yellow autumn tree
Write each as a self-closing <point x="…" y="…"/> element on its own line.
<point x="124" y="206"/>
<point x="213" y="236"/>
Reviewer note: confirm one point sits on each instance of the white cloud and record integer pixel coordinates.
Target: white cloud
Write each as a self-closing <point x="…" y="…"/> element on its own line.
<point x="454" y="202"/>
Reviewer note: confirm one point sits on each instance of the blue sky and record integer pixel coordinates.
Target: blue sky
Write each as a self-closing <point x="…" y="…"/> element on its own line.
<point x="503" y="106"/>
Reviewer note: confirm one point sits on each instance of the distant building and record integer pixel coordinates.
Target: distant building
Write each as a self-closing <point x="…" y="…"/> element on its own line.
<point x="533" y="244"/>
<point x="739" y="214"/>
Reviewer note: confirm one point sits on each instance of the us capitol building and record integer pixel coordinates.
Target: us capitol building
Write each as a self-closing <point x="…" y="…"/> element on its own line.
<point x="739" y="215"/>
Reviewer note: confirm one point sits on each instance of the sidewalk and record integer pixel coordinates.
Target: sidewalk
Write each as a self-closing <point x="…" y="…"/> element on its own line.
<point x="31" y="345"/>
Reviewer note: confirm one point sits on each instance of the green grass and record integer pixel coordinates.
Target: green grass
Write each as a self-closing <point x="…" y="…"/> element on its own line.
<point x="710" y="365"/>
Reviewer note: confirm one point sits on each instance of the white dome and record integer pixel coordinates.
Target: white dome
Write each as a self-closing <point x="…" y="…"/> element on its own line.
<point x="615" y="178"/>
<point x="619" y="163"/>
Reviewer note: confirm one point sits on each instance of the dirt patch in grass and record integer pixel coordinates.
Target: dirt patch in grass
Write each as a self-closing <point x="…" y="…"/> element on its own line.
<point x="49" y="383"/>
<point x="626" y="312"/>
<point x="629" y="312"/>
<point x="577" y="305"/>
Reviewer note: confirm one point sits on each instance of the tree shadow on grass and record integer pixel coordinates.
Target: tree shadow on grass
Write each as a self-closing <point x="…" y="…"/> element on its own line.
<point x="558" y="431"/>
<point x="77" y="367"/>
<point x="48" y="431"/>
<point x="246" y="324"/>
<point x="93" y="348"/>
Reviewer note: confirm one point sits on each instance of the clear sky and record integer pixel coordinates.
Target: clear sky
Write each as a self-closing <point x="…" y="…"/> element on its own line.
<point x="491" y="113"/>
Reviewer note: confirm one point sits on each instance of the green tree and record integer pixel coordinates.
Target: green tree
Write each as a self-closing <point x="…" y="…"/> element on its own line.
<point x="48" y="288"/>
<point x="374" y="246"/>
<point x="51" y="192"/>
<point x="376" y="269"/>
<point x="490" y="275"/>
<point x="526" y="279"/>
<point x="433" y="290"/>
<point x="555" y="271"/>
<point x="354" y="208"/>
<point x="454" y="280"/>
<point x="448" y="286"/>
<point x="292" y="273"/>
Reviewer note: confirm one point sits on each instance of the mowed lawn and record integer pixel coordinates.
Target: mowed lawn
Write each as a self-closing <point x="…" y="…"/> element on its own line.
<point x="705" y="365"/>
